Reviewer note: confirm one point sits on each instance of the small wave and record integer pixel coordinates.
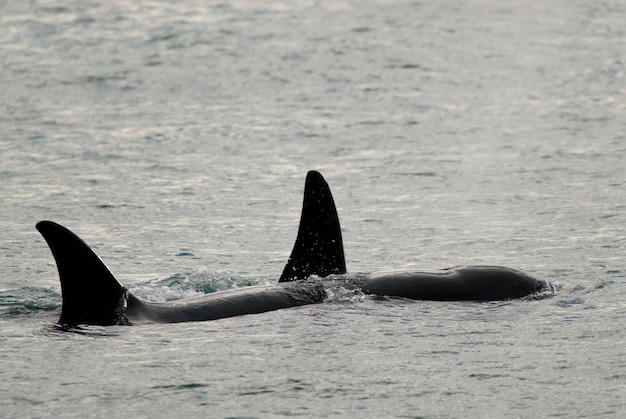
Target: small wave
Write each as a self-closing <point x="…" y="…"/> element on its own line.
<point x="547" y="291"/>
<point x="180" y="386"/>
<point x="180" y="286"/>
<point x="23" y="301"/>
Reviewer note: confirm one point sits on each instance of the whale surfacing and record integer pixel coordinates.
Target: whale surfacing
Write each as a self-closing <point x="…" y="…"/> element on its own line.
<point x="92" y="295"/>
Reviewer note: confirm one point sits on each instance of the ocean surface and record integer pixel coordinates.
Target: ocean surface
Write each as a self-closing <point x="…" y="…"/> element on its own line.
<point x="174" y="137"/>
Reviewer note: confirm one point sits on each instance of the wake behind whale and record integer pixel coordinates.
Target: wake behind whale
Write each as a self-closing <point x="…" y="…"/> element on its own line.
<point x="92" y="295"/>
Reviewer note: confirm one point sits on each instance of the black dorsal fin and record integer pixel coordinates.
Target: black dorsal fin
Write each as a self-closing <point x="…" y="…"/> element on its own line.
<point x="91" y="295"/>
<point x="319" y="248"/>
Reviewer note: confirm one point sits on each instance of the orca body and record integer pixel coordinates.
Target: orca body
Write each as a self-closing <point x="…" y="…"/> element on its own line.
<point x="92" y="295"/>
<point x="459" y="283"/>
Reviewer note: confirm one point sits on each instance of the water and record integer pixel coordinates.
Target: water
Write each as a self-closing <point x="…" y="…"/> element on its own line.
<point x="174" y="138"/>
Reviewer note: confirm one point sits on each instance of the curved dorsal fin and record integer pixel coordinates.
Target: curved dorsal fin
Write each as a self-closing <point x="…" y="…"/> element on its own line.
<point x="319" y="247"/>
<point x="91" y="294"/>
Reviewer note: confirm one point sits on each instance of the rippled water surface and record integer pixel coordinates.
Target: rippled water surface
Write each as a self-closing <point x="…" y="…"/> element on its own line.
<point x="174" y="138"/>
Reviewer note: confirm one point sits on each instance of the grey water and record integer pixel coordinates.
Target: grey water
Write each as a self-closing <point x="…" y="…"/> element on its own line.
<point x="174" y="138"/>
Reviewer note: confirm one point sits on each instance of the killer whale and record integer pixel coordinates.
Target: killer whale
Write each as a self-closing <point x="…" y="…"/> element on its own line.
<point x="92" y="295"/>
<point x="318" y="251"/>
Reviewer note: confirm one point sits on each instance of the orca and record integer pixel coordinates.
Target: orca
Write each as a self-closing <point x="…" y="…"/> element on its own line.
<point x="91" y="295"/>
<point x="458" y="283"/>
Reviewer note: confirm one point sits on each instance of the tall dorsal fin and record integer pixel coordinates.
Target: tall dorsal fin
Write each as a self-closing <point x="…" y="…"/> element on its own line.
<point x="91" y="294"/>
<point x="319" y="248"/>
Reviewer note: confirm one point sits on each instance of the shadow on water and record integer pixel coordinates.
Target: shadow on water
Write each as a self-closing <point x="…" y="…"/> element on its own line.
<point x="56" y="330"/>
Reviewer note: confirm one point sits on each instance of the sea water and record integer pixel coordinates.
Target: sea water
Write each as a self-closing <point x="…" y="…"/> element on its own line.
<point x="174" y="138"/>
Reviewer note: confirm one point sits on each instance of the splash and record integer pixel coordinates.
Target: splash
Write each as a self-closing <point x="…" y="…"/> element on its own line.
<point x="181" y="286"/>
